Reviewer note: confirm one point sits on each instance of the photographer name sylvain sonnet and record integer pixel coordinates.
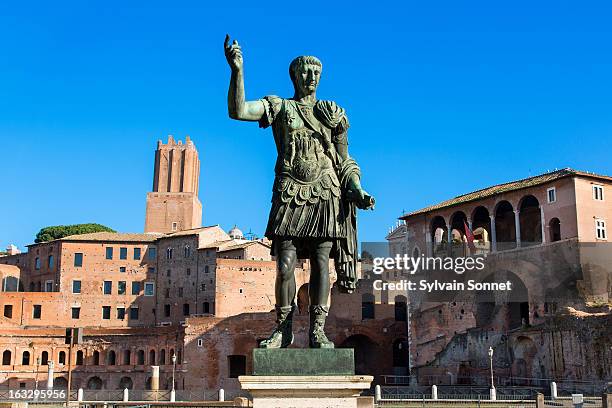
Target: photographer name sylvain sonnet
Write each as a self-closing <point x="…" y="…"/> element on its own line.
<point x="406" y="263"/>
<point x="435" y="286"/>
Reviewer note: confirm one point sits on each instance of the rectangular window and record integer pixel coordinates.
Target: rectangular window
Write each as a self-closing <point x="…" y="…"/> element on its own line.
<point x="149" y="289"/>
<point x="169" y="253"/>
<point x="121" y="313"/>
<point x="108" y="287"/>
<point x="76" y="312"/>
<point x="166" y="310"/>
<point x="174" y="226"/>
<point x="78" y="259"/>
<point x="50" y="262"/>
<point x="133" y="313"/>
<point x="203" y="286"/>
<point x="135" y="288"/>
<point x="151" y="270"/>
<point x="167" y="293"/>
<point x="123" y="253"/>
<point x="137" y="254"/>
<point x="180" y="292"/>
<point x="37" y="263"/>
<point x="168" y="272"/>
<point x="186" y="309"/>
<point x="598" y="192"/>
<point x="122" y="269"/>
<point x="109" y="252"/>
<point x="106" y="312"/>
<point x="152" y="252"/>
<point x="8" y="311"/>
<point x="200" y="342"/>
<point x="36" y="311"/>
<point x="600" y="229"/>
<point x="121" y="288"/>
<point x="49" y="286"/>
<point x="76" y="286"/>
<point x="552" y="195"/>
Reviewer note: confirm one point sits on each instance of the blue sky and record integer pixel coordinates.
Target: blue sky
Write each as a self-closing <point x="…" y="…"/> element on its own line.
<point x="444" y="97"/>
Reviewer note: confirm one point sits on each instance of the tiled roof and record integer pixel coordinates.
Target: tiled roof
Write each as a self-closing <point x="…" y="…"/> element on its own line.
<point x="241" y="245"/>
<point x="192" y="231"/>
<point x="113" y="237"/>
<point x="506" y="187"/>
<point x="231" y="244"/>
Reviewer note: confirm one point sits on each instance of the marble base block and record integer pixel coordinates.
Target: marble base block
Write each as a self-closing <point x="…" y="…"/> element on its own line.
<point x="307" y="391"/>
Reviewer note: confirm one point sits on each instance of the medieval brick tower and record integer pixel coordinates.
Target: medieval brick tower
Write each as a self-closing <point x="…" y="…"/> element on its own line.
<point x="173" y="205"/>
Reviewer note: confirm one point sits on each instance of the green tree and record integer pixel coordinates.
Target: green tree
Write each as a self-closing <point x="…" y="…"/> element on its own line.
<point x="61" y="231"/>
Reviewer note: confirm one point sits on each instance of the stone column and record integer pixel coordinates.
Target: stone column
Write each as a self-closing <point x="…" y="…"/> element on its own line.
<point x="539" y="400"/>
<point x="50" y="367"/>
<point x="493" y="234"/>
<point x="429" y="244"/>
<point x="517" y="227"/>
<point x="450" y="239"/>
<point x="543" y="221"/>
<point x="154" y="378"/>
<point x="553" y="390"/>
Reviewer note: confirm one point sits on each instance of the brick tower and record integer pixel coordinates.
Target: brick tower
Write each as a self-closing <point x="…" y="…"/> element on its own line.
<point x="173" y="205"/>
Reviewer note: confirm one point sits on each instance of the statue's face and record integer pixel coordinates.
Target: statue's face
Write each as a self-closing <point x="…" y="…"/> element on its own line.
<point x="307" y="78"/>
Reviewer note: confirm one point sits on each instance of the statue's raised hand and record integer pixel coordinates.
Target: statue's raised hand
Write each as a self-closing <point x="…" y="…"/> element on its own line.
<point x="233" y="54"/>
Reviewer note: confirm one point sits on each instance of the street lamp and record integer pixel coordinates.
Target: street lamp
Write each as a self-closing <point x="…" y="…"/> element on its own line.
<point x="173" y="370"/>
<point x="492" y="391"/>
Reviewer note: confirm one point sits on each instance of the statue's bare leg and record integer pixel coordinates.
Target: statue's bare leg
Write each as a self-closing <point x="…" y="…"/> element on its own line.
<point x="286" y="260"/>
<point x="319" y="293"/>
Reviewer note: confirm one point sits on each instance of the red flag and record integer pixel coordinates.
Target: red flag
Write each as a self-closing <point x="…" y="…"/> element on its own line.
<point x="470" y="237"/>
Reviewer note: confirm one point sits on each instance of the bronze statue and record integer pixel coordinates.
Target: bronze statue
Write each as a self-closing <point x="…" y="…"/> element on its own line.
<point x="316" y="190"/>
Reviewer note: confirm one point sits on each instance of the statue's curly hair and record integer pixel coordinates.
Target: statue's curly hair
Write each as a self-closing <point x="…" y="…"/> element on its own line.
<point x="302" y="60"/>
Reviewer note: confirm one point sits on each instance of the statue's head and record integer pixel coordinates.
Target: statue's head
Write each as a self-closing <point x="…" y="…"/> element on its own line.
<point x="305" y="72"/>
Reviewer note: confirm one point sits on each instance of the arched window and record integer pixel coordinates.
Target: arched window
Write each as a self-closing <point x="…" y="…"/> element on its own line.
<point x="96" y="357"/>
<point x="555" y="230"/>
<point x="79" y="357"/>
<point x="127" y="357"/>
<point x="126" y="382"/>
<point x="112" y="358"/>
<point x="140" y="357"/>
<point x="62" y="357"/>
<point x="367" y="306"/>
<point x="94" y="383"/>
<point x="25" y="358"/>
<point x="162" y="357"/>
<point x="6" y="357"/>
<point x="152" y="357"/>
<point x="44" y="358"/>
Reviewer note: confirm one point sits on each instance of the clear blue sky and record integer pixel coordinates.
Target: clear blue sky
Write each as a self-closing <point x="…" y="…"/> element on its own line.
<point x="444" y="97"/>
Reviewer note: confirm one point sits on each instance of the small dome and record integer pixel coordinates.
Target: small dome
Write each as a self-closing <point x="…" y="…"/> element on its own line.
<point x="235" y="233"/>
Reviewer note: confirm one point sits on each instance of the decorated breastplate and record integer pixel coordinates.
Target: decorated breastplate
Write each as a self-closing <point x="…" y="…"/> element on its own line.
<point x="304" y="156"/>
<point x="307" y="173"/>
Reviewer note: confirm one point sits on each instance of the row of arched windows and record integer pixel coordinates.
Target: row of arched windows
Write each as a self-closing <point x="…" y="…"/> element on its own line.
<point x="112" y="358"/>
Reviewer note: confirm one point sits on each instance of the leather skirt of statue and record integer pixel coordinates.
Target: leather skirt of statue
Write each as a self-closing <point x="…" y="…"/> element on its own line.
<point x="306" y="196"/>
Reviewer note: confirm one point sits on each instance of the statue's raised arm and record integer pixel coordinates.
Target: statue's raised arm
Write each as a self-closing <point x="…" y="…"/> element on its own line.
<point x="238" y="108"/>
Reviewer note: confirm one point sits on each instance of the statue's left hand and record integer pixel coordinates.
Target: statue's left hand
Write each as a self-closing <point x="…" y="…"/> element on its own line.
<point x="362" y="199"/>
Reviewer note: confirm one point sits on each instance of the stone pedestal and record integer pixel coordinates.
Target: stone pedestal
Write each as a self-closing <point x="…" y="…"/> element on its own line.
<point x="305" y="378"/>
